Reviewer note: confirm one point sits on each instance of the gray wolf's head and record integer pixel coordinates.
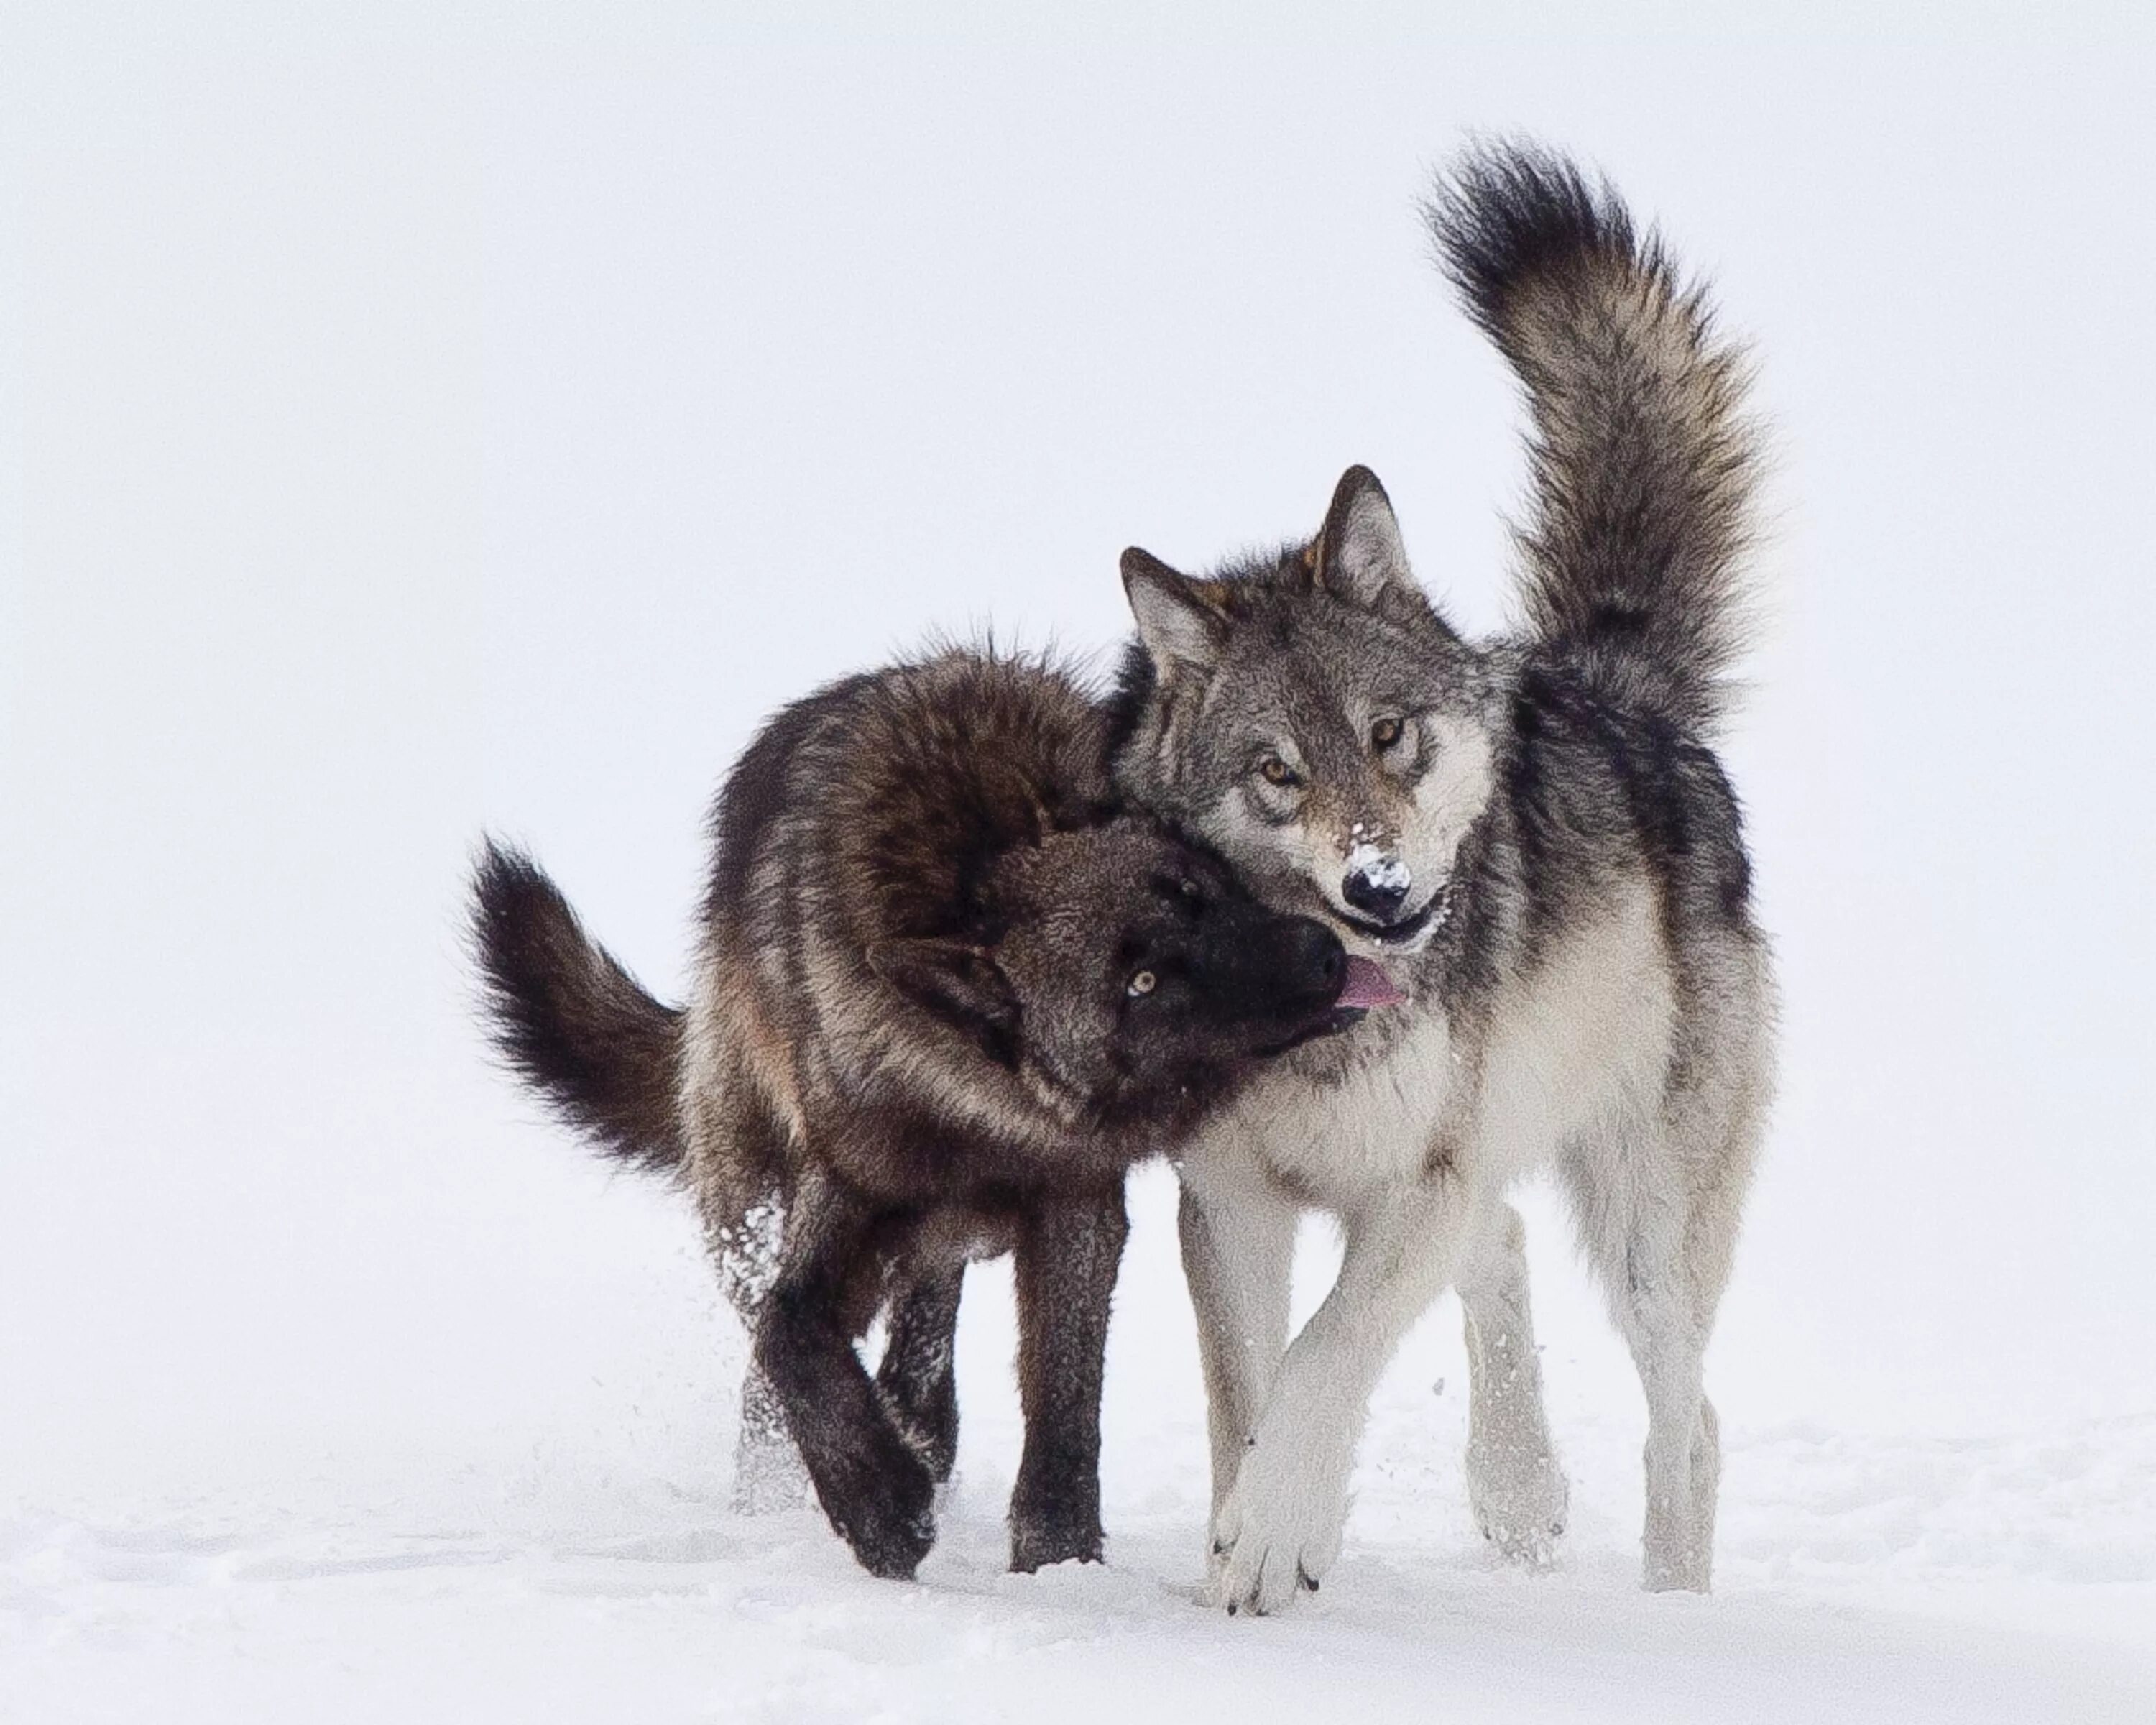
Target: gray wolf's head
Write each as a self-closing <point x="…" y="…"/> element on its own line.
<point x="1127" y="976"/>
<point x="1313" y="717"/>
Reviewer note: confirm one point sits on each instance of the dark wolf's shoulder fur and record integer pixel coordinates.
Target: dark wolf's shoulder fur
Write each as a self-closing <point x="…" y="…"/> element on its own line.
<point x="875" y="806"/>
<point x="902" y="787"/>
<point x="875" y="809"/>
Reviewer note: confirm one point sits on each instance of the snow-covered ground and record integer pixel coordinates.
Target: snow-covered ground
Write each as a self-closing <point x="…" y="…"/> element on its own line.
<point x="579" y="1561"/>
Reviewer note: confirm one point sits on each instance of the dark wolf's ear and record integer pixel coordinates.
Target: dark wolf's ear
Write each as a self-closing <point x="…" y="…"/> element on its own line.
<point x="1357" y="554"/>
<point x="1180" y="619"/>
<point x="950" y="977"/>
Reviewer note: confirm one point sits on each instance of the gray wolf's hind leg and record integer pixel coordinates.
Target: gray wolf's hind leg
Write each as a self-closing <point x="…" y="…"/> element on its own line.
<point x="1683" y="1455"/>
<point x="1662" y="1252"/>
<point x="1514" y="1483"/>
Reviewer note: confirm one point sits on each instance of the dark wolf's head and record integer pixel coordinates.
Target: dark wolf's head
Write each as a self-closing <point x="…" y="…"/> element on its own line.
<point x="1127" y="976"/>
<point x="1311" y="717"/>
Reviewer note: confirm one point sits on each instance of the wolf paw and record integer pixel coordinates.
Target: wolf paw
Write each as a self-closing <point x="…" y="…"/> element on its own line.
<point x="888" y="1520"/>
<point x="1278" y="1532"/>
<point x="1520" y="1509"/>
<point x="1039" y="1541"/>
<point x="1677" y="1563"/>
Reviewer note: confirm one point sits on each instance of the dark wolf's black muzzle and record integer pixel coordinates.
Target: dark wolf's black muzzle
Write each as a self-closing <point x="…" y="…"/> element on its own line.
<point x="1281" y="974"/>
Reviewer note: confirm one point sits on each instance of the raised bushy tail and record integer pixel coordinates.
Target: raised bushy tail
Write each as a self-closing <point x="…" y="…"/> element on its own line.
<point x="1644" y="463"/>
<point x="573" y="1024"/>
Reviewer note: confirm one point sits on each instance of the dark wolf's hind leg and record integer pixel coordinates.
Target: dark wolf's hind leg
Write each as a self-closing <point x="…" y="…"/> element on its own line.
<point x="735" y="1167"/>
<point x="1067" y="1260"/>
<point x="768" y="1475"/>
<point x="769" y="1478"/>
<point x="916" y="1374"/>
<point x="876" y="1491"/>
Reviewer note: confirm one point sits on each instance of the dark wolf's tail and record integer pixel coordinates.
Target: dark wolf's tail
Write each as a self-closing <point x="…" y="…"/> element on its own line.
<point x="1644" y="463"/>
<point x="569" y="1020"/>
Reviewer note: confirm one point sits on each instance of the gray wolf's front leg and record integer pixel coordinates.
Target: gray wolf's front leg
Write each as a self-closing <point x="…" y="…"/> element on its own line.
<point x="1279" y="1529"/>
<point x="1238" y="1235"/>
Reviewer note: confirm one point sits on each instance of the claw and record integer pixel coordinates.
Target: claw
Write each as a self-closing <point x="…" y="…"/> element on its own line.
<point x="1304" y="1577"/>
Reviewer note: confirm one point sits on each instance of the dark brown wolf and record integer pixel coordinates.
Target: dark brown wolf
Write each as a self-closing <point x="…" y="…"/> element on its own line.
<point x="946" y="996"/>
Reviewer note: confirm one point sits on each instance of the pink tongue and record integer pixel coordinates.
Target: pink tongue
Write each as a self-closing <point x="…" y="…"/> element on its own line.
<point x="1367" y="985"/>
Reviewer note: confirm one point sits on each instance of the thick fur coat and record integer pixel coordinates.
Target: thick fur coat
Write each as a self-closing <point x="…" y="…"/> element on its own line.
<point x="1533" y="836"/>
<point x="945" y="997"/>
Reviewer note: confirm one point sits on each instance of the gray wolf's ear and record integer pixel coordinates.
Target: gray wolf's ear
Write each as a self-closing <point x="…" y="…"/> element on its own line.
<point x="1357" y="554"/>
<point x="951" y="976"/>
<point x="1180" y="619"/>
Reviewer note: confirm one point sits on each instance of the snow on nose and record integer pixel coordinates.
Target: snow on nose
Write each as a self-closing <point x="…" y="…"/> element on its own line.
<point x="1376" y="883"/>
<point x="1385" y="874"/>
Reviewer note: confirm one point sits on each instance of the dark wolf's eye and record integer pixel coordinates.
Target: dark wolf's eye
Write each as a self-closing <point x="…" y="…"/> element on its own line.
<point x="1276" y="770"/>
<point x="1385" y="733"/>
<point x="1142" y="982"/>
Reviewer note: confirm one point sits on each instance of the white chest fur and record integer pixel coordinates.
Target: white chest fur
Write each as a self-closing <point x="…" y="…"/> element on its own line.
<point x="1573" y="1046"/>
<point x="1336" y="1143"/>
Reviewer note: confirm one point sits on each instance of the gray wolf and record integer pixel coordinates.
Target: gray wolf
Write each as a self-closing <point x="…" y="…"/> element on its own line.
<point x="1534" y="840"/>
<point x="945" y="996"/>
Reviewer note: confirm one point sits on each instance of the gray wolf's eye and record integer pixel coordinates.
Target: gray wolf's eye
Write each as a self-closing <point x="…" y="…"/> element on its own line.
<point x="1277" y="771"/>
<point x="1385" y="733"/>
<point x="1142" y="982"/>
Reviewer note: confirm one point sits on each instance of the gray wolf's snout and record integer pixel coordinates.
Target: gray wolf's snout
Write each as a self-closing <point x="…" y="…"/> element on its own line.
<point x="1377" y="888"/>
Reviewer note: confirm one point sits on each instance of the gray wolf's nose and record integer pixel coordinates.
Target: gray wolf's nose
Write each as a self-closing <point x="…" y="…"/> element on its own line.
<point x="1378" y="890"/>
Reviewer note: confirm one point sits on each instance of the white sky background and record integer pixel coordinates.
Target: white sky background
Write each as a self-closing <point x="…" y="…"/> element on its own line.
<point x="412" y="427"/>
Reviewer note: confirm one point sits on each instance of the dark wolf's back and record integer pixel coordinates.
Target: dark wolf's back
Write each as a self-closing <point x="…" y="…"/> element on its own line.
<point x="573" y="1024"/>
<point x="1645" y="465"/>
<point x="874" y="808"/>
<point x="873" y="812"/>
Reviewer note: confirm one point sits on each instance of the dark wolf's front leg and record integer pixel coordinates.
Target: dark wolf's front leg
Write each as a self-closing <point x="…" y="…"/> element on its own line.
<point x="1067" y="1260"/>
<point x="916" y="1375"/>
<point x="874" y="1488"/>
